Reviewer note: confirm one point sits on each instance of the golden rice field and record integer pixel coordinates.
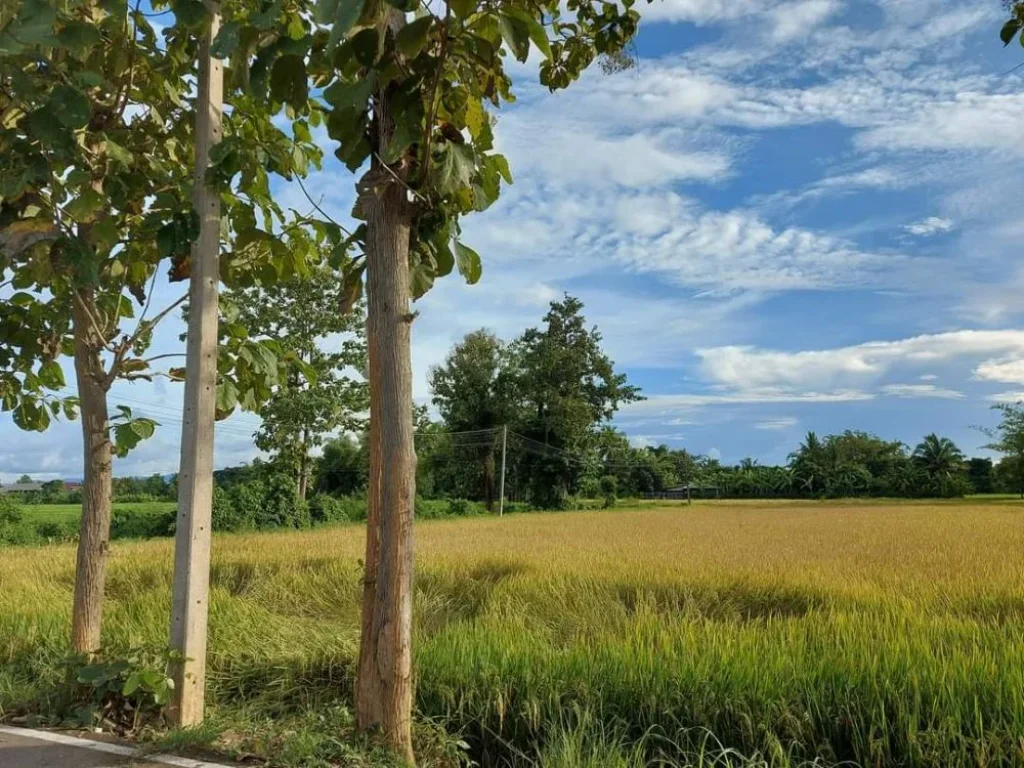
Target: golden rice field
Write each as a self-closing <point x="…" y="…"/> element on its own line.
<point x="720" y="634"/>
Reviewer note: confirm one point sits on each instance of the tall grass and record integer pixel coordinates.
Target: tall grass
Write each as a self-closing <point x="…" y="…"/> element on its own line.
<point x="712" y="635"/>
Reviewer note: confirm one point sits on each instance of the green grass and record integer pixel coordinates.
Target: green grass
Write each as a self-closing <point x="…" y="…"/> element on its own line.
<point x="63" y="512"/>
<point x="719" y="634"/>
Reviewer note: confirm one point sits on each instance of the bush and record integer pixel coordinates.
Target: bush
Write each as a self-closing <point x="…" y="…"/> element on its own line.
<point x="125" y="693"/>
<point x="10" y="512"/>
<point x="226" y="514"/>
<point x="133" y="524"/>
<point x="609" y="486"/>
<point x="324" y="508"/>
<point x="55" y="532"/>
<point x="460" y="508"/>
<point x="246" y="500"/>
<point x="282" y="507"/>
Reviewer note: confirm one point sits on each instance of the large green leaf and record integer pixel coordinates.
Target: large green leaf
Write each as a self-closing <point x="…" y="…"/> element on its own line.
<point x="366" y="45"/>
<point x="227" y="397"/>
<point x="468" y="262"/>
<point x="341" y="14"/>
<point x="1010" y="28"/>
<point x="288" y="82"/>
<point x="226" y="41"/>
<point x="32" y="25"/>
<point x="70" y="106"/>
<point x="85" y="205"/>
<point x="79" y="37"/>
<point x="462" y="8"/>
<point x="456" y="168"/>
<point x="351" y="96"/>
<point x="516" y="35"/>
<point x="51" y="375"/>
<point x="411" y="38"/>
<point x="190" y="13"/>
<point x="31" y="416"/>
<point x="421" y="279"/>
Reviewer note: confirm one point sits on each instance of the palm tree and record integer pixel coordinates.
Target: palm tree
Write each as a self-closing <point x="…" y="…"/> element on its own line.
<point x="939" y="458"/>
<point x="808" y="464"/>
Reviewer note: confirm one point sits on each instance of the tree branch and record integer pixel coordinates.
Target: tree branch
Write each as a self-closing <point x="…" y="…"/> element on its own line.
<point x="95" y="323"/>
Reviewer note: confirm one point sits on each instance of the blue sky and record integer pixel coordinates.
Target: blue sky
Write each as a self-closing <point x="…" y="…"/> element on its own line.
<point x="789" y="216"/>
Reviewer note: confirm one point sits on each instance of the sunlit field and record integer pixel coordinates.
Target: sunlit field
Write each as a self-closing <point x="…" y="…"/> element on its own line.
<point x="71" y="512"/>
<point x="781" y="634"/>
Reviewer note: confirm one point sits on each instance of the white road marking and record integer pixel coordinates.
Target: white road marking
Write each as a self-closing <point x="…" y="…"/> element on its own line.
<point x="111" y="749"/>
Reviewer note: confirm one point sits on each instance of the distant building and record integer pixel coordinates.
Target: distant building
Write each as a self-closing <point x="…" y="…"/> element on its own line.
<point x="21" y="488"/>
<point x="688" y="492"/>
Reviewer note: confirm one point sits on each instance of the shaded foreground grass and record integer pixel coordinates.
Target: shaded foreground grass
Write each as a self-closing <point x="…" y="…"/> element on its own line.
<point x="720" y="634"/>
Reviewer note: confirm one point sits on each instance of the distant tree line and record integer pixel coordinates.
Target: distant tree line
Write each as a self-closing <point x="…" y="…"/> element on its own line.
<point x="548" y="397"/>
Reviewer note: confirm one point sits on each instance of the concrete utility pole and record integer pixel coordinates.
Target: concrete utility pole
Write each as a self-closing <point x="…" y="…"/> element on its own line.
<point x="501" y="485"/>
<point x="190" y="607"/>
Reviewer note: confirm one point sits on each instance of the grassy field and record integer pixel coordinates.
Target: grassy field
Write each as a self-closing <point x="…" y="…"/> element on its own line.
<point x="62" y="512"/>
<point x="720" y="634"/>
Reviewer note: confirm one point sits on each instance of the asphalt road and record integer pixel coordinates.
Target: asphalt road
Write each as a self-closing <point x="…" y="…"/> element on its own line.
<point x="24" y="748"/>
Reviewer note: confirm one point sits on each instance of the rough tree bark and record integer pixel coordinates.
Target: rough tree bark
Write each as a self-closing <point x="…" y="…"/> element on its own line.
<point x="302" y="487"/>
<point x="94" y="534"/>
<point x="384" y="685"/>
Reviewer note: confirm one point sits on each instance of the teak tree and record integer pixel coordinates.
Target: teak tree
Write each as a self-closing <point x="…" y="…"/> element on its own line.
<point x="96" y="153"/>
<point x="93" y="184"/>
<point x="474" y="390"/>
<point x="407" y="90"/>
<point x="322" y="390"/>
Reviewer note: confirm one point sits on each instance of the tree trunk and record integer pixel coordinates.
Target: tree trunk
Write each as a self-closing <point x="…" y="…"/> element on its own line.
<point x="94" y="534"/>
<point x="384" y="687"/>
<point x="303" y="483"/>
<point x="489" y="492"/>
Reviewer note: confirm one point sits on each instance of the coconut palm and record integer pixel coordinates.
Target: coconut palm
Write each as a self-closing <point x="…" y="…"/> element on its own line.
<point x="808" y="464"/>
<point x="939" y="458"/>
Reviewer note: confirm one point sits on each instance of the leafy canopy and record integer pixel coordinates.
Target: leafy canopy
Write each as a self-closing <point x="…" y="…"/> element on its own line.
<point x="435" y="78"/>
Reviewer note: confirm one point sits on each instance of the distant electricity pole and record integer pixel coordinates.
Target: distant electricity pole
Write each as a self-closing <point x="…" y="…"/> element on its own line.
<point x="190" y="606"/>
<point x="501" y="486"/>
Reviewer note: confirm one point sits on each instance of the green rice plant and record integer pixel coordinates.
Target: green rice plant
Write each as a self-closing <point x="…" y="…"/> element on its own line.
<point x="713" y="635"/>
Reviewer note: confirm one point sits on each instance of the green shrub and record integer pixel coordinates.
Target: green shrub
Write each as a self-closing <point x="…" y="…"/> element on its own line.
<point x="10" y="512"/>
<point x="133" y="524"/>
<point x="57" y="531"/>
<point x="226" y="514"/>
<point x="281" y="506"/>
<point x="125" y="693"/>
<point x="324" y="508"/>
<point x="609" y="487"/>
<point x="460" y="508"/>
<point x="247" y="499"/>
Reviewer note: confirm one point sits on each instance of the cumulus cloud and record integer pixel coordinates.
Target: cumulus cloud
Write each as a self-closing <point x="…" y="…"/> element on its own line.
<point x="749" y="367"/>
<point x="1008" y="371"/>
<point x="933" y="225"/>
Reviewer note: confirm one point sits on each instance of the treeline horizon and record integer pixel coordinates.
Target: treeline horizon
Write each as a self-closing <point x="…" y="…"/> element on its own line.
<point x="543" y="404"/>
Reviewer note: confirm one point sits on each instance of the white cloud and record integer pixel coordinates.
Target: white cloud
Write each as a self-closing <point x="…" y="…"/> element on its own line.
<point x="1006" y="397"/>
<point x="577" y="153"/>
<point x="751" y="368"/>
<point x="779" y="424"/>
<point x="668" y="405"/>
<point x="933" y="225"/>
<point x="700" y="12"/>
<point x="798" y="19"/>
<point x="1008" y="371"/>
<point x="928" y="377"/>
<point x="921" y="390"/>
